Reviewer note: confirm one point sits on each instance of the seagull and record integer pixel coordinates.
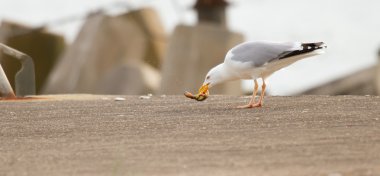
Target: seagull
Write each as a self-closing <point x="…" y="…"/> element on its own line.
<point x="255" y="60"/>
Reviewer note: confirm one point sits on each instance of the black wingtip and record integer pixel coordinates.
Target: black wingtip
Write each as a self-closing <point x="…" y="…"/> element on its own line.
<point x="306" y="48"/>
<point x="313" y="46"/>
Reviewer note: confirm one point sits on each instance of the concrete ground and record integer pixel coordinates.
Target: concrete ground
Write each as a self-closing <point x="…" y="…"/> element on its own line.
<point x="172" y="135"/>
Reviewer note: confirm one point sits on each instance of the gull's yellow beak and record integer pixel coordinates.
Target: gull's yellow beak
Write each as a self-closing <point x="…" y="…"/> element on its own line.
<point x="204" y="89"/>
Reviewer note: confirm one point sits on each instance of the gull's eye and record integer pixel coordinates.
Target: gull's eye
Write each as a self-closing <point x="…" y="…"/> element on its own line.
<point x="208" y="77"/>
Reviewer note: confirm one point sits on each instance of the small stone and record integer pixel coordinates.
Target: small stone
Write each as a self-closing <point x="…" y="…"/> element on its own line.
<point x="144" y="97"/>
<point x="119" y="99"/>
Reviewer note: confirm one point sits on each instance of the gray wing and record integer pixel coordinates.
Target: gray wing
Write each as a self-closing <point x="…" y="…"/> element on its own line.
<point x="260" y="53"/>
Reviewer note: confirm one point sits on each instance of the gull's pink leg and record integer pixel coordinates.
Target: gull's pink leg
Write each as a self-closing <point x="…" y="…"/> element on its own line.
<point x="252" y="103"/>
<point x="260" y="103"/>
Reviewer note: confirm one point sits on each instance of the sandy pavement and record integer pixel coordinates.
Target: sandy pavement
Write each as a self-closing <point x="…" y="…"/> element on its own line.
<point x="172" y="135"/>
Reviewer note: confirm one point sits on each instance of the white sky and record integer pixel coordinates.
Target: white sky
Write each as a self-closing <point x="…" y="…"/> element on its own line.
<point x="349" y="27"/>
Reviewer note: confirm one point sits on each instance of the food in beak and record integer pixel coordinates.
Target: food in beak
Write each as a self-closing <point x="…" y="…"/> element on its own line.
<point x="203" y="89"/>
<point x="202" y="94"/>
<point x="198" y="97"/>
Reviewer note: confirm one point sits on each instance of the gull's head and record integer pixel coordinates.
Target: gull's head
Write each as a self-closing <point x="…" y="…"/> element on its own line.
<point x="213" y="77"/>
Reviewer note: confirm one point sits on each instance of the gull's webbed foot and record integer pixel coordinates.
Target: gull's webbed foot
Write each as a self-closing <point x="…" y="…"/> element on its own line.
<point x="255" y="105"/>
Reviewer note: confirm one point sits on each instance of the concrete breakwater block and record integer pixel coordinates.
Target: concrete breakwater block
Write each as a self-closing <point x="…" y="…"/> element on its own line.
<point x="103" y="45"/>
<point x="192" y="52"/>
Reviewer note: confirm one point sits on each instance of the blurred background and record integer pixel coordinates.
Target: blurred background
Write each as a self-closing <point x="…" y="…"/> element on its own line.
<point x="167" y="46"/>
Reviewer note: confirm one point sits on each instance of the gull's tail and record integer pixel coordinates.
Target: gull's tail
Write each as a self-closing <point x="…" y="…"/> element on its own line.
<point x="307" y="49"/>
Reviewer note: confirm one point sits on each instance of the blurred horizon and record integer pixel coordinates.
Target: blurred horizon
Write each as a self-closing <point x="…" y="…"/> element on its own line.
<point x="349" y="30"/>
